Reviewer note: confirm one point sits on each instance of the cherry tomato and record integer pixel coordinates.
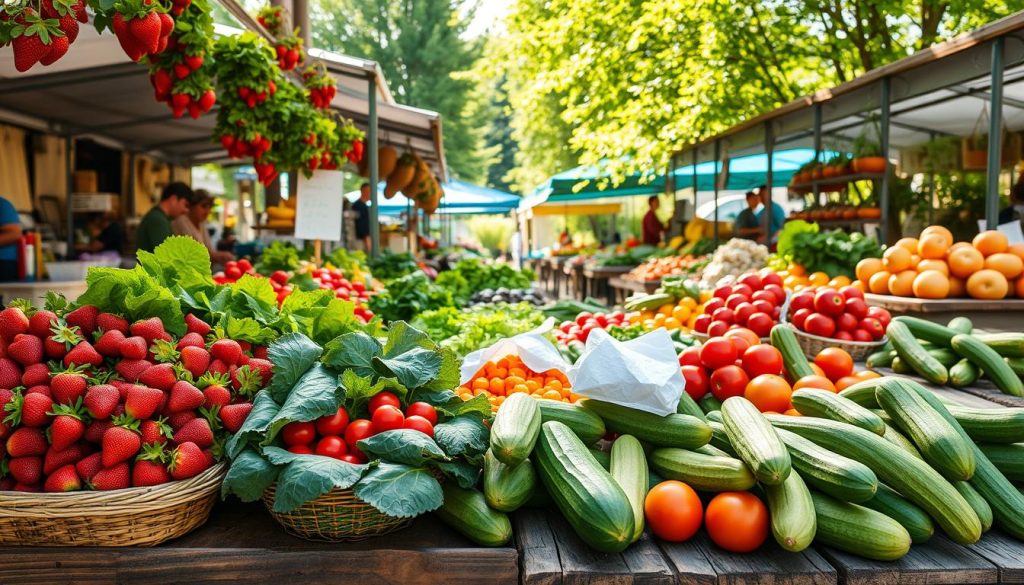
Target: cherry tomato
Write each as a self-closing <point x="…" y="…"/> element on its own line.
<point x="422" y="409"/>
<point x="697" y="382"/>
<point x="728" y="382"/>
<point x="737" y="521"/>
<point x="387" y="418"/>
<point x="383" y="398"/>
<point x="357" y="430"/>
<point x="762" y="359"/>
<point x="244" y="265"/>
<point x="333" y="447"/>
<point x="298" y="433"/>
<point x="690" y="357"/>
<point x="350" y="458"/>
<point x="333" y="424"/>
<point x="300" y="450"/>
<point x="418" y="423"/>
<point x="232" y="273"/>
<point x="717" y="352"/>
<point x="673" y="511"/>
<point x="582" y="317"/>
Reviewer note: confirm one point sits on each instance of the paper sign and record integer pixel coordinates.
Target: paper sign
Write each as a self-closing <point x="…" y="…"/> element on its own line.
<point x="318" y="215"/>
<point x="1011" y="230"/>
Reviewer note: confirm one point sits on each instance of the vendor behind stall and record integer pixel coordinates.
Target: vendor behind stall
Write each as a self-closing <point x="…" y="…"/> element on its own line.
<point x="106" y="234"/>
<point x="193" y="225"/>
<point x="1015" y="212"/>
<point x="155" y="226"/>
<point x="652" y="227"/>
<point x="10" y="234"/>
<point x="747" y="226"/>
<point x="778" y="218"/>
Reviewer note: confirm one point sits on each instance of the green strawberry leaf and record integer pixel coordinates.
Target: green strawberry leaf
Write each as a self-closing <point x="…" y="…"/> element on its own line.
<point x="400" y="491"/>
<point x="307" y="477"/>
<point x="402" y="446"/>
<point x="249" y="476"/>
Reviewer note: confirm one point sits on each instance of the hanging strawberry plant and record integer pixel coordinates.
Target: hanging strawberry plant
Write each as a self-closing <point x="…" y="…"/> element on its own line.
<point x="320" y="84"/>
<point x="40" y="31"/>
<point x="181" y="74"/>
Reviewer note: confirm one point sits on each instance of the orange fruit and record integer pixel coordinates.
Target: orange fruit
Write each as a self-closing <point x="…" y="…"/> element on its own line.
<point x="987" y="284"/>
<point x="817" y="370"/>
<point x="818" y="278"/>
<point x="957" y="287"/>
<point x="879" y="283"/>
<point x="845" y="381"/>
<point x="769" y="392"/>
<point x="897" y="259"/>
<point x="958" y="245"/>
<point x="932" y="264"/>
<point x="797" y="270"/>
<point x="932" y="246"/>
<point x="820" y="382"/>
<point x="867" y="375"/>
<point x="1016" y="250"/>
<point x="867" y="267"/>
<point x="940" y="231"/>
<point x="991" y="242"/>
<point x="792" y="412"/>
<point x="1018" y="288"/>
<point x="965" y="261"/>
<point x="931" y="284"/>
<point x="901" y="284"/>
<point x="860" y="285"/>
<point x="909" y="243"/>
<point x="1009" y="265"/>
<point x="839" y="281"/>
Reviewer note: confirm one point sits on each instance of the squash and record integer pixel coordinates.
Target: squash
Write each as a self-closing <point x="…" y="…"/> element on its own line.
<point x="399" y="179"/>
<point x="419" y="180"/>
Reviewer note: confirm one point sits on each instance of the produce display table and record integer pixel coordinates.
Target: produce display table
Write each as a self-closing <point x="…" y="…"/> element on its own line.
<point x="552" y="268"/>
<point x="596" y="280"/>
<point x="36" y="291"/>
<point x="982" y="394"/>
<point x="574" y="282"/>
<point x="624" y="286"/>
<point x="994" y="316"/>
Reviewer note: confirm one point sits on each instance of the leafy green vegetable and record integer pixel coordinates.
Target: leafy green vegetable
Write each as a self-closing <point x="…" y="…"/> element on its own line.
<point x="292" y="356"/>
<point x="401" y="491"/>
<point x="402" y="446"/>
<point x="264" y="409"/>
<point x="308" y="477"/>
<point x="467" y="330"/>
<point x="408" y="296"/>
<point x="278" y="256"/>
<point x="249" y="476"/>
<point x="470" y="276"/>
<point x="834" y="252"/>
<point x="389" y="265"/>
<point x="315" y="394"/>
<point x="567" y="309"/>
<point x="465" y="435"/>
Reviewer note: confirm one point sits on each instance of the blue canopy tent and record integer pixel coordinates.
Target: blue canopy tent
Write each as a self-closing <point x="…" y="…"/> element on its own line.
<point x="749" y="172"/>
<point x="460" y="198"/>
<point x="589" y="182"/>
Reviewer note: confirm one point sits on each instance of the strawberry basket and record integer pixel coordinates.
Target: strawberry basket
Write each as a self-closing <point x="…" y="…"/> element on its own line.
<point x="336" y="516"/>
<point x="144" y="516"/>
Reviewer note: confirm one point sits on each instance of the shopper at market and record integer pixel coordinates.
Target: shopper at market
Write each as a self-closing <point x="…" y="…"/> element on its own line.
<point x="747" y="226"/>
<point x="193" y="225"/>
<point x="1015" y="212"/>
<point x="778" y="217"/>
<point x="652" y="226"/>
<point x="155" y="226"/>
<point x="363" y="217"/>
<point x="10" y="234"/>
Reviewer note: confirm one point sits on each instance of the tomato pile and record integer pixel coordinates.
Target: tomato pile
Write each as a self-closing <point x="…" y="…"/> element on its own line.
<point x="502" y="378"/>
<point x="754" y="301"/>
<point x="735" y="521"/>
<point x="579" y="330"/>
<point x="233" y="270"/>
<point x="333" y="279"/>
<point x="336" y="437"/>
<point x="839" y="314"/>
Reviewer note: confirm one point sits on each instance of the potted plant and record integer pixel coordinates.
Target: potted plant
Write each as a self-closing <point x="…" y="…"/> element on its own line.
<point x="867" y="154"/>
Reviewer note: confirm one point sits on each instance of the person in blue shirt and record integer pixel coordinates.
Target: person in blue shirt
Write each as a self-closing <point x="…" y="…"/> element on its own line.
<point x="778" y="217"/>
<point x="10" y="234"/>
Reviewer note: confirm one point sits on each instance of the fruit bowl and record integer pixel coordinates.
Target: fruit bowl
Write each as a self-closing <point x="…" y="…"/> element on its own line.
<point x="813" y="344"/>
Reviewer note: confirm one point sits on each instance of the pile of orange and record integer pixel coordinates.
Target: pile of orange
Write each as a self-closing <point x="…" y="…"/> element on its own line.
<point x="933" y="267"/>
<point x="504" y="377"/>
<point x="796" y="278"/>
<point x="678" y="315"/>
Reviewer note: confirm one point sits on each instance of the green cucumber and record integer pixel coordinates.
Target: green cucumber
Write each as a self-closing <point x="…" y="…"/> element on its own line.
<point x="947" y="357"/>
<point x="792" y="513"/>
<point x="713" y="451"/>
<point x="587" y="495"/>
<point x="688" y="406"/>
<point x="629" y="470"/>
<point x="466" y="511"/>
<point x="910" y="516"/>
<point x="990" y="362"/>
<point x="981" y="507"/>
<point x="825" y="404"/>
<point x="915" y="356"/>
<point x="515" y="429"/>
<point x="901" y="367"/>
<point x="755" y="441"/>
<point x="507" y="488"/>
<point x="603" y="458"/>
<point x="674" y="430"/>
<point x="859" y="530"/>
<point x="829" y="472"/>
<point x="963" y="374"/>
<point x="990" y="425"/>
<point x="1009" y="345"/>
<point x="1008" y="459"/>
<point x="719" y="438"/>
<point x="1016" y="364"/>
<point x="961" y="324"/>
<point x="924" y="330"/>
<point x="880" y="359"/>
<point x="863" y="392"/>
<point x="709" y="403"/>
<point x="793" y="358"/>
<point x="709" y="473"/>
<point x="900" y="440"/>
<point x="588" y="426"/>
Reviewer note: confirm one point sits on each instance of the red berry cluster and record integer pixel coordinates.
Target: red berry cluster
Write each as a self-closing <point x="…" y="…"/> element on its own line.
<point x="142" y="30"/>
<point x="289" y="53"/>
<point x="335" y="436"/>
<point x="840" y="314"/>
<point x="133" y="407"/>
<point x="178" y="74"/>
<point x="235" y="269"/>
<point x="321" y="86"/>
<point x="754" y="301"/>
<point x="43" y="38"/>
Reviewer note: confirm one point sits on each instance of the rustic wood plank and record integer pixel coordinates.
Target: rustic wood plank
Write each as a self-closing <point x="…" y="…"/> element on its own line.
<point x="689" y="562"/>
<point x="57" y="566"/>
<point x="538" y="552"/>
<point x="937" y="562"/>
<point x="648" y="565"/>
<point x="915" y="305"/>
<point x="768" y="565"/>
<point x="582" y="565"/>
<point x="1005" y="552"/>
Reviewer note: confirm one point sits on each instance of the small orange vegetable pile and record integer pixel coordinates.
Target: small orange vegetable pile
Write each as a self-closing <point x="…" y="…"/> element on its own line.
<point x="502" y="378"/>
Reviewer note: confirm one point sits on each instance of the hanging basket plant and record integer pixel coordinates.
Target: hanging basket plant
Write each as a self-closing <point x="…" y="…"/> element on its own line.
<point x="181" y="75"/>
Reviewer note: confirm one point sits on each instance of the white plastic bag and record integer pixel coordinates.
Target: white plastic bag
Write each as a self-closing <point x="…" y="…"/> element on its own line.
<point x="641" y="373"/>
<point x="536" y="351"/>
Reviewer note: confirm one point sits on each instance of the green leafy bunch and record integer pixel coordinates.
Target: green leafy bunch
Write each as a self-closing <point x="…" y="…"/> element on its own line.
<point x="470" y="276"/>
<point x="389" y="265"/>
<point x="311" y="381"/>
<point x="834" y="252"/>
<point x="408" y="296"/>
<point x="466" y="330"/>
<point x="192" y="37"/>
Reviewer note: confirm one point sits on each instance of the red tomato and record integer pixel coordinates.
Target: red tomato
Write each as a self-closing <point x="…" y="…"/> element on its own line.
<point x="418" y="423"/>
<point x="244" y="265"/>
<point x="300" y="450"/>
<point x="846" y="322"/>
<point x="565" y="326"/>
<point x="673" y="511"/>
<point x="761" y="324"/>
<point x="742" y="288"/>
<point x="802" y="300"/>
<point x="298" y="433"/>
<point x="769" y="393"/>
<point x="697" y="381"/>
<point x="690" y="357"/>
<point x="862" y="336"/>
<point x="350" y="458"/>
<point x="737" y="521"/>
<point x="881" y="315"/>
<point x="752" y="280"/>
<point x="387" y="418"/>
<point x="778" y="291"/>
<point x="851" y="292"/>
<point x="333" y="447"/>
<point x="358" y="430"/>
<point x="333" y="424"/>
<point x="762" y="359"/>
<point x="835" y="362"/>
<point x="800" y="317"/>
<point x="713" y="305"/>
<point x="820" y="325"/>
<point x="232" y="273"/>
<point x="582" y="317"/>
<point x="728" y="382"/>
<point x="742" y="312"/>
<point x="857" y="307"/>
<point x="725" y="314"/>
<point x="422" y="409"/>
<point x="717" y="352"/>
<point x="702" y="323"/>
<point x="742" y="338"/>
<point x="717" y="328"/>
<point x="383" y="398"/>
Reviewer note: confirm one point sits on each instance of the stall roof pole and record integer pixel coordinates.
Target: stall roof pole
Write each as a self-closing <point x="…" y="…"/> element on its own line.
<point x="693" y="169"/>
<point x="769" y="145"/>
<point x="884" y="145"/>
<point x="69" y="170"/>
<point x="371" y="148"/>
<point x="995" y="136"/>
<point x="817" y="146"/>
<point x="718" y="154"/>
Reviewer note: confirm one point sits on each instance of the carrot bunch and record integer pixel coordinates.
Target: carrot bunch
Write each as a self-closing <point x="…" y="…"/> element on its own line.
<point x="502" y="378"/>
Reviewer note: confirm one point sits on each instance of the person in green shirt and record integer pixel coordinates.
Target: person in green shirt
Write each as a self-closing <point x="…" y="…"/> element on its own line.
<point x="155" y="226"/>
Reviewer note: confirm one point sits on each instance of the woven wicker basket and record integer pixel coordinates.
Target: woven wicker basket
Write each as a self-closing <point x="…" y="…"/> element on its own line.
<point x="813" y="344"/>
<point x="336" y="516"/>
<point x="130" y="517"/>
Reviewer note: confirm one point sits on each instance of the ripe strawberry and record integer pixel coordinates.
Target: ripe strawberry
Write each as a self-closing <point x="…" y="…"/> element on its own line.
<point x="96" y="429"/>
<point x="160" y="376"/>
<point x="191" y="339"/>
<point x="162" y="83"/>
<point x="180" y="419"/>
<point x="64" y="479"/>
<point x="146" y="473"/>
<point x="7" y="484"/>
<point x="111" y="322"/>
<point x="83" y="353"/>
<point x="84" y="318"/>
<point x="124" y="37"/>
<point x="26" y="470"/>
<point x="27" y="488"/>
<point x="217" y="368"/>
<point x="40" y="389"/>
<point x="10" y="373"/>
<point x="119" y="444"/>
<point x="263" y="367"/>
<point x="69" y="26"/>
<point x="195" y="431"/>
<point x="56" y="459"/>
<point x="116" y="477"/>
<point x="34" y="410"/>
<point x="196" y="360"/>
<point x="233" y="415"/>
<point x="101" y="400"/>
<point x="259" y="352"/>
<point x="155" y="431"/>
<point x="188" y="460"/>
<point x="146" y="31"/>
<point x="184" y="396"/>
<point x="67" y="387"/>
<point x="149" y="329"/>
<point x="216" y="395"/>
<point x="40" y="322"/>
<point x="226" y="350"/>
<point x="143" y="401"/>
<point x="89" y="465"/>
<point x="29" y="50"/>
<point x="109" y="344"/>
<point x="26" y="442"/>
<point x="54" y="349"/>
<point x="207" y="100"/>
<point x="26" y="349"/>
<point x="131" y="369"/>
<point x="13" y="322"/>
<point x="35" y="375"/>
<point x="67" y="428"/>
<point x="196" y="325"/>
<point x="58" y="47"/>
<point x="134" y="348"/>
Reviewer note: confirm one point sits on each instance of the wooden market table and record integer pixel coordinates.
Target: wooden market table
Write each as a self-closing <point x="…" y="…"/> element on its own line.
<point x="624" y="286"/>
<point x="994" y="316"/>
<point x="596" y="280"/>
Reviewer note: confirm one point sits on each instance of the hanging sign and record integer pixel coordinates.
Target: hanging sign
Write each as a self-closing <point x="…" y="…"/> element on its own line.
<point x="318" y="214"/>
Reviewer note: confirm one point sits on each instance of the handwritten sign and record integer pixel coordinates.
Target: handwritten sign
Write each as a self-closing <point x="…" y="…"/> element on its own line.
<point x="318" y="215"/>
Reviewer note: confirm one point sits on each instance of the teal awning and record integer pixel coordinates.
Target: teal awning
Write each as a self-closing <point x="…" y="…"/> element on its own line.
<point x="749" y="172"/>
<point x="460" y="197"/>
<point x="589" y="182"/>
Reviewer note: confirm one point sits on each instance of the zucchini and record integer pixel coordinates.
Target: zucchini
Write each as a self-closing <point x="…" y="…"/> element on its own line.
<point x="859" y="530"/>
<point x="1008" y="459"/>
<point x="961" y="324"/>
<point x="715" y="416"/>
<point x="900" y="440"/>
<point x="588" y="426"/>
<point x="515" y="429"/>
<point x="507" y="488"/>
<point x="825" y="404"/>
<point x="963" y="374"/>
<point x="990" y="425"/>
<point x="863" y="392"/>
<point x="688" y="406"/>
<point x="837" y="476"/>
<point x="947" y="357"/>
<point x="937" y="440"/>
<point x="755" y="441"/>
<point x="719" y="438"/>
<point x="603" y="458"/>
<point x="1009" y="345"/>
<point x="981" y="507"/>
<point x="587" y="495"/>
<point x="911" y="517"/>
<point x="880" y="359"/>
<point x="924" y="330"/>
<point x="793" y="358"/>
<point x="1016" y="364"/>
<point x="989" y="362"/>
<point x="901" y="367"/>
<point x="710" y="449"/>
<point x="629" y="470"/>
<point x="674" y="430"/>
<point x="792" y="512"/>
<point x="708" y="473"/>
<point x="916" y="357"/>
<point x="466" y="511"/>
<point x="709" y="403"/>
<point x="910" y="476"/>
